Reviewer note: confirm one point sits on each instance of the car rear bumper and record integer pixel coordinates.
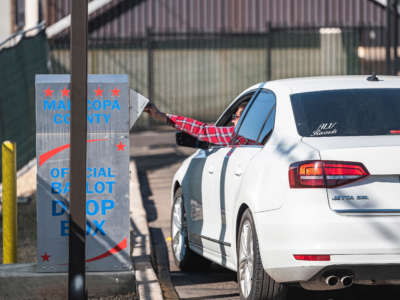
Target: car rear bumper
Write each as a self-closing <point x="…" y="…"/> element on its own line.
<point x="350" y="240"/>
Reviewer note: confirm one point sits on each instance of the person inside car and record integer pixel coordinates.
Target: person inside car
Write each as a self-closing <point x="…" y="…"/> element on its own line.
<point x="218" y="135"/>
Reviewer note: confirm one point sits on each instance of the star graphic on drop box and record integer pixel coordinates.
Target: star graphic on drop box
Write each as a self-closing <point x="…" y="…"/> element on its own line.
<point x="65" y="92"/>
<point x="115" y="92"/>
<point x="45" y="257"/>
<point x="49" y="92"/>
<point x="99" y="92"/>
<point x="120" y="147"/>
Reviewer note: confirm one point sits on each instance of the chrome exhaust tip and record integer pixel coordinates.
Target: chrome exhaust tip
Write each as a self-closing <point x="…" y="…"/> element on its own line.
<point x="347" y="280"/>
<point x="332" y="280"/>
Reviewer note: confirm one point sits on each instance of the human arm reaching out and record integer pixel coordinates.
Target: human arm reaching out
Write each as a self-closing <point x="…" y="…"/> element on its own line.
<point x="205" y="132"/>
<point x="155" y="113"/>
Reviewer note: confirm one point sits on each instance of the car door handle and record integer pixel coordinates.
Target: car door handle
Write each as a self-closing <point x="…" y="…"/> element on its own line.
<point x="238" y="172"/>
<point x="211" y="170"/>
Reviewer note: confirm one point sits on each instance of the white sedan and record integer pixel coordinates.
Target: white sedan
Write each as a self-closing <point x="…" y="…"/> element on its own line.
<point x="316" y="203"/>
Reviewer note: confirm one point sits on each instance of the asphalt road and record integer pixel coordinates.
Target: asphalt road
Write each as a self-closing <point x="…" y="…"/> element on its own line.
<point x="157" y="158"/>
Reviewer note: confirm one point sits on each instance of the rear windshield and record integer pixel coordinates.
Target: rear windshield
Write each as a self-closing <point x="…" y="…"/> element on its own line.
<point x="347" y="112"/>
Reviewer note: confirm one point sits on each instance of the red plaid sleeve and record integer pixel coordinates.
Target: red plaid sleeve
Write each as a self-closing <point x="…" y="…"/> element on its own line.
<point x="205" y="132"/>
<point x="208" y="132"/>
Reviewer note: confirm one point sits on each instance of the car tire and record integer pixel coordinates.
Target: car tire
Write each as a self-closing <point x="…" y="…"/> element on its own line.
<point x="254" y="282"/>
<point x="185" y="259"/>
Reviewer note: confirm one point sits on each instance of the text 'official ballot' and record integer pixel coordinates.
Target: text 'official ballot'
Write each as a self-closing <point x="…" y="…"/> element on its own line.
<point x="107" y="171"/>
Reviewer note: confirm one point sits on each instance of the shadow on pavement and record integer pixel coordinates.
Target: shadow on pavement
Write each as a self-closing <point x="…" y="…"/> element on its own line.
<point x="146" y="193"/>
<point x="145" y="163"/>
<point x="161" y="263"/>
<point x="225" y="296"/>
<point x="151" y="162"/>
<point x="219" y="274"/>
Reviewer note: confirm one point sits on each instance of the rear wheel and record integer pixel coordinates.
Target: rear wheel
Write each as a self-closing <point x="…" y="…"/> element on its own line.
<point x="253" y="282"/>
<point x="184" y="257"/>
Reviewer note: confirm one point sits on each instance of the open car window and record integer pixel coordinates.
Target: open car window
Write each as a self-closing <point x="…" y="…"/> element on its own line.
<point x="226" y="118"/>
<point x="258" y="119"/>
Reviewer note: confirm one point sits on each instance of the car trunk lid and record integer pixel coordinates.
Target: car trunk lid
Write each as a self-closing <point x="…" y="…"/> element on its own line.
<point x="377" y="193"/>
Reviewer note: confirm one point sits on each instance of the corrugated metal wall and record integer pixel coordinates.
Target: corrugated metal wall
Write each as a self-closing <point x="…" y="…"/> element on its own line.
<point x="131" y="18"/>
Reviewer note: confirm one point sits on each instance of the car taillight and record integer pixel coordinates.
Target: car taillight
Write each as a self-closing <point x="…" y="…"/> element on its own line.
<point x="324" y="174"/>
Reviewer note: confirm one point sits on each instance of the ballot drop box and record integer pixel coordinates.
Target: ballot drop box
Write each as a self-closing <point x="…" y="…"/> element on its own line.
<point x="107" y="173"/>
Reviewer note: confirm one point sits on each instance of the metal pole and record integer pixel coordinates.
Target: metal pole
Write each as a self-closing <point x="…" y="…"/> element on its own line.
<point x="388" y="38"/>
<point x="269" y="49"/>
<point x="78" y="137"/>
<point x="9" y="169"/>
<point x="150" y="68"/>
<point x="396" y="35"/>
<point x="31" y="15"/>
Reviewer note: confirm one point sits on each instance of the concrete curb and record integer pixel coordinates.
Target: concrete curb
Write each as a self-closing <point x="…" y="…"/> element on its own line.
<point x="22" y="281"/>
<point x="148" y="286"/>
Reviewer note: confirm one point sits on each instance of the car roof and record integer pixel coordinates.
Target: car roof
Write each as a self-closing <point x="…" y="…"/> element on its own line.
<point x="310" y="84"/>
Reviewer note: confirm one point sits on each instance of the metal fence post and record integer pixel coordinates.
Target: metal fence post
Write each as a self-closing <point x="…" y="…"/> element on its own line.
<point x="395" y="38"/>
<point x="149" y="36"/>
<point x="9" y="169"/>
<point x="269" y="50"/>
<point x="388" y="37"/>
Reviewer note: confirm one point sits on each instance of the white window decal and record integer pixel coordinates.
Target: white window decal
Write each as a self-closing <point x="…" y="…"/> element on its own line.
<point x="325" y="129"/>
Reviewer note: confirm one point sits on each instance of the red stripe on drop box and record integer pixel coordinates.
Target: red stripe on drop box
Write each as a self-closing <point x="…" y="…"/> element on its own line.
<point x="121" y="246"/>
<point x="49" y="154"/>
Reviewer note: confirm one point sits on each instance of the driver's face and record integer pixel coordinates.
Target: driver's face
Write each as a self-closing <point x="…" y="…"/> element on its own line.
<point x="236" y="116"/>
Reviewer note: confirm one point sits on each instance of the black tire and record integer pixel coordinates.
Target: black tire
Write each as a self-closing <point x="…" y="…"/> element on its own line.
<point x="187" y="260"/>
<point x="262" y="285"/>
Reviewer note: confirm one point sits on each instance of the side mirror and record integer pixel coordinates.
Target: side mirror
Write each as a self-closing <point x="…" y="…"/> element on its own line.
<point x="186" y="140"/>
